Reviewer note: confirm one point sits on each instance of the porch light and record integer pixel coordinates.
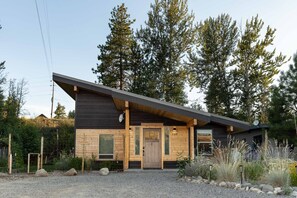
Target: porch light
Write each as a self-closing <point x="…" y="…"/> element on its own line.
<point x="174" y="131"/>
<point x="131" y="132"/>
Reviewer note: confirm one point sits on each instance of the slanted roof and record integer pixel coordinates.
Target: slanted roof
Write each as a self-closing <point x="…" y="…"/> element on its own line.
<point x="148" y="104"/>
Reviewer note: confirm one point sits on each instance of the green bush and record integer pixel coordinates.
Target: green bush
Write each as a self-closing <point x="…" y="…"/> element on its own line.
<point x="68" y="163"/>
<point x="197" y="168"/>
<point x="279" y="178"/>
<point x="181" y="164"/>
<point x="3" y="162"/>
<point x="253" y="171"/>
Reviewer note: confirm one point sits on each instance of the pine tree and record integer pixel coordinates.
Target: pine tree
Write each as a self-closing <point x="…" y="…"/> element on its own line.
<point x="113" y="68"/>
<point x="208" y="65"/>
<point x="60" y="111"/>
<point x="256" y="67"/>
<point x="167" y="36"/>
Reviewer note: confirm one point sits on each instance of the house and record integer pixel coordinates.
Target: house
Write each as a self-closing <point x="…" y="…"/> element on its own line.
<point x="138" y="131"/>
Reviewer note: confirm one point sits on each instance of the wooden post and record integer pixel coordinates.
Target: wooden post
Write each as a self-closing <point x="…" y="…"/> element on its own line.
<point x="38" y="161"/>
<point x="192" y="152"/>
<point x="10" y="164"/>
<point x="9" y="153"/>
<point x="127" y="135"/>
<point x="41" y="153"/>
<point x="83" y="155"/>
<point x="28" y="166"/>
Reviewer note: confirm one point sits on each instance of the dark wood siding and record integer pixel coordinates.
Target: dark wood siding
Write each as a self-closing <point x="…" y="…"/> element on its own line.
<point x="94" y="111"/>
<point x="138" y="117"/>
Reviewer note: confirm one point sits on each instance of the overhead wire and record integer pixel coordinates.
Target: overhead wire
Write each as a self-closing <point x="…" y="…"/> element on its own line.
<point x="48" y="33"/>
<point x="43" y="41"/>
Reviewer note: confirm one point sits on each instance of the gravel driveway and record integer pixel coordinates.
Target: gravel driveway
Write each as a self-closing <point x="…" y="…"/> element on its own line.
<point x="126" y="184"/>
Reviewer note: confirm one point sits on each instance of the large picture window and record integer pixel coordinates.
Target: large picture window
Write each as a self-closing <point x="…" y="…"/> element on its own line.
<point x="204" y="142"/>
<point x="106" y="144"/>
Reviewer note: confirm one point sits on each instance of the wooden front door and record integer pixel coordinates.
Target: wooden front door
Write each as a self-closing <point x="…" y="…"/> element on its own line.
<point x="151" y="148"/>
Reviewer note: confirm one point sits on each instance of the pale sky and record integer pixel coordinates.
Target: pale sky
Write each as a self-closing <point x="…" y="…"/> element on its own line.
<point x="76" y="28"/>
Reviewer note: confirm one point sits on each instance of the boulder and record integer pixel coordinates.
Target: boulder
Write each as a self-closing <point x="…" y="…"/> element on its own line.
<point x="71" y="172"/>
<point x="41" y="173"/>
<point x="3" y="174"/>
<point x="222" y="184"/>
<point x="257" y="190"/>
<point x="266" y="187"/>
<point x="199" y="178"/>
<point x="213" y="183"/>
<point x="246" y="184"/>
<point x="105" y="171"/>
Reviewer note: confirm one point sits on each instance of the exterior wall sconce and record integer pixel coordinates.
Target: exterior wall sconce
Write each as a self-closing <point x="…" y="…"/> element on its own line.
<point x="241" y="173"/>
<point x="174" y="131"/>
<point x="131" y="132"/>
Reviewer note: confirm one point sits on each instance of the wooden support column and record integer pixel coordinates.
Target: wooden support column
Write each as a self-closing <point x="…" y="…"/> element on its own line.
<point x="9" y="162"/>
<point x="192" y="124"/>
<point x="41" y="152"/>
<point x="127" y="135"/>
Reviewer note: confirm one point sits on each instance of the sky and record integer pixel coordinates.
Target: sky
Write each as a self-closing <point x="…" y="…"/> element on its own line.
<point x="73" y="29"/>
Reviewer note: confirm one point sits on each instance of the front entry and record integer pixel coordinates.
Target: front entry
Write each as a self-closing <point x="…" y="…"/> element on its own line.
<point x="151" y="148"/>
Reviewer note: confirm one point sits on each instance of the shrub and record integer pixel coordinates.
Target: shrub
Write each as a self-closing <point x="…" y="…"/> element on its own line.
<point x="253" y="171"/>
<point x="227" y="172"/>
<point x="68" y="163"/>
<point x="3" y="162"/>
<point x="198" y="168"/>
<point x="278" y="178"/>
<point x="293" y="174"/>
<point x="182" y="161"/>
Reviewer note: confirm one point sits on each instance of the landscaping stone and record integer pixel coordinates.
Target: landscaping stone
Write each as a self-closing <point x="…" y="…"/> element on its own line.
<point x="266" y="187"/>
<point x="222" y="184"/>
<point x="3" y="174"/>
<point x="41" y="173"/>
<point x="256" y="190"/>
<point x="212" y="182"/>
<point x="270" y="193"/>
<point x="231" y="184"/>
<point x="246" y="185"/>
<point x="294" y="194"/>
<point x="71" y="172"/>
<point x="105" y="171"/>
<point x="199" y="178"/>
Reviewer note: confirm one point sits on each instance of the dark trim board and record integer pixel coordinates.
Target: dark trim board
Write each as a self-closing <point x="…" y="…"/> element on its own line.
<point x="170" y="164"/>
<point x="134" y="164"/>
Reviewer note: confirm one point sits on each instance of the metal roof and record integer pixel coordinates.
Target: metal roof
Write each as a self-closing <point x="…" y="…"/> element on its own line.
<point x="67" y="83"/>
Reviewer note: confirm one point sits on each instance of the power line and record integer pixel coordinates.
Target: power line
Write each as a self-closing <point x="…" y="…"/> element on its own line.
<point x="48" y="32"/>
<point x="43" y="42"/>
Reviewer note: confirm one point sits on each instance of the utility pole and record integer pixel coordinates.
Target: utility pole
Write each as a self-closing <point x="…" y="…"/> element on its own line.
<point x="52" y="100"/>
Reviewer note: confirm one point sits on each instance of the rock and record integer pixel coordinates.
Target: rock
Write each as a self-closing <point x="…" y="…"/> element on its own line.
<point x="199" y="178"/>
<point x="247" y="188"/>
<point x="294" y="193"/>
<point x="269" y="193"/>
<point x="212" y="182"/>
<point x="237" y="186"/>
<point x="257" y="190"/>
<point x="222" y="184"/>
<point x="71" y="172"/>
<point x="231" y="184"/>
<point x="205" y="181"/>
<point x="105" y="171"/>
<point x="41" y="173"/>
<point x="246" y="185"/>
<point x="266" y="187"/>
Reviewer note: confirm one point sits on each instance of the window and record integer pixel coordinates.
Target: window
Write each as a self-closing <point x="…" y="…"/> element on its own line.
<point x="106" y="145"/>
<point x="166" y="142"/>
<point x="204" y="142"/>
<point x="137" y="140"/>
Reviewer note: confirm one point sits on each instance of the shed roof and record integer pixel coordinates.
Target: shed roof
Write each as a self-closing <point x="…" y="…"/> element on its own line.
<point x="148" y="104"/>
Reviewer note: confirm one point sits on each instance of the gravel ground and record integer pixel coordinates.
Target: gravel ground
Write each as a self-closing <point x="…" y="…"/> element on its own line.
<point x="125" y="184"/>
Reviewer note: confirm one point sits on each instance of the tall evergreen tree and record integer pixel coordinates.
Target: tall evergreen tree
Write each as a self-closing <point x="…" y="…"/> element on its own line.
<point x="208" y="65"/>
<point x="256" y="67"/>
<point x="60" y="111"/>
<point x="167" y="36"/>
<point x="113" y="68"/>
